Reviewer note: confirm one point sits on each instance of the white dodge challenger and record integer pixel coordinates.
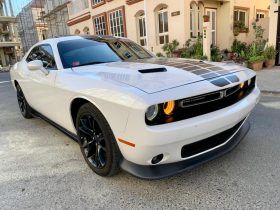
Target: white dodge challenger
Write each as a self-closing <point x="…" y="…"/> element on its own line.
<point x="152" y="117"/>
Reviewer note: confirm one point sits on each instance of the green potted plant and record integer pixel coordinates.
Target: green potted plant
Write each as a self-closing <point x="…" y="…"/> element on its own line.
<point x="239" y="27"/>
<point x="171" y="49"/>
<point x="256" y="62"/>
<point x="270" y="54"/>
<point x="255" y="58"/>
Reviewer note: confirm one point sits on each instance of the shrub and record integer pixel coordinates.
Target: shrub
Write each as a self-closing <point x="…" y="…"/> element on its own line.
<point x="238" y="46"/>
<point x="194" y="51"/>
<point x="270" y="53"/>
<point x="159" y="54"/>
<point x="259" y="41"/>
<point x="216" y="55"/>
<point x="253" y="55"/>
<point x="255" y="59"/>
<point x="169" y="48"/>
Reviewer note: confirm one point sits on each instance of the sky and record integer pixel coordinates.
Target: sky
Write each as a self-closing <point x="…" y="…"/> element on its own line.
<point x="18" y="5"/>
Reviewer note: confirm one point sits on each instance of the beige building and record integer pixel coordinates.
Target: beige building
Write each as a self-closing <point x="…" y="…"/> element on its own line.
<point x="8" y="36"/>
<point x="30" y="25"/>
<point x="168" y="19"/>
<point x="56" y="17"/>
<point x="80" y="21"/>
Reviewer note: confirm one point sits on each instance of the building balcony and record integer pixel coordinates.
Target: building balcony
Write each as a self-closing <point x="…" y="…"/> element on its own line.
<point x="9" y="44"/>
<point x="7" y="19"/>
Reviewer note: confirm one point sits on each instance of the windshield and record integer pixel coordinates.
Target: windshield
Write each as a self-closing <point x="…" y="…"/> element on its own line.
<point x="81" y="52"/>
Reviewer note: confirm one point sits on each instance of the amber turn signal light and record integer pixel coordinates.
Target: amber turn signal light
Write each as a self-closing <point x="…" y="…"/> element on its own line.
<point x="169" y="107"/>
<point x="242" y="85"/>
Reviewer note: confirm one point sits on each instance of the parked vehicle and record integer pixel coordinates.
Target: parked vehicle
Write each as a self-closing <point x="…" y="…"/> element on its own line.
<point x="152" y="117"/>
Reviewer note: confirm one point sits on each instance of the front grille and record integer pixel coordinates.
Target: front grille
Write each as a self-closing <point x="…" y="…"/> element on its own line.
<point x="201" y="99"/>
<point x="206" y="103"/>
<point x="209" y="143"/>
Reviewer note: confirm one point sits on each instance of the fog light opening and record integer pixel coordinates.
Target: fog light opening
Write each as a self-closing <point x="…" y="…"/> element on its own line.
<point x="157" y="159"/>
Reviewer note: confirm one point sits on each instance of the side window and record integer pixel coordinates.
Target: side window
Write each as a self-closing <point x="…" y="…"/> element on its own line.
<point x="45" y="54"/>
<point x="32" y="55"/>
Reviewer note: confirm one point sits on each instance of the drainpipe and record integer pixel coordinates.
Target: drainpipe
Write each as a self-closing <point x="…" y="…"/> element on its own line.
<point x="146" y="23"/>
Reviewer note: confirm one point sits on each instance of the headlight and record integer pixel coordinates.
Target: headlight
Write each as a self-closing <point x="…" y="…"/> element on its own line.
<point x="168" y="107"/>
<point x="152" y="112"/>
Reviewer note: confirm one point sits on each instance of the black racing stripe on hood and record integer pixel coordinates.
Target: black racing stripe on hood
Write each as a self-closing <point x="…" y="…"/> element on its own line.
<point x="233" y="78"/>
<point x="205" y="70"/>
<point x="221" y="82"/>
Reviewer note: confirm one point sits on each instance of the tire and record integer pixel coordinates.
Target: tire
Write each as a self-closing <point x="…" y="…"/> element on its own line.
<point x="24" y="107"/>
<point x="97" y="141"/>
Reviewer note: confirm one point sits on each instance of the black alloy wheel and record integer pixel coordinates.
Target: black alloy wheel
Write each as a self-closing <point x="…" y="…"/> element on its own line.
<point x="23" y="105"/>
<point x="97" y="141"/>
<point x="92" y="141"/>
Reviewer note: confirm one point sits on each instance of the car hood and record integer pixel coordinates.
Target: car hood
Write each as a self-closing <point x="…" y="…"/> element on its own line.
<point x="156" y="74"/>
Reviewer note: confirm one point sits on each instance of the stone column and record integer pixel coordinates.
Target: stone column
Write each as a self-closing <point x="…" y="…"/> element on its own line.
<point x="3" y="59"/>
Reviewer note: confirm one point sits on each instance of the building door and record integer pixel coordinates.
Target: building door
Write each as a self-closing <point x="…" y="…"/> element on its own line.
<point x="212" y="13"/>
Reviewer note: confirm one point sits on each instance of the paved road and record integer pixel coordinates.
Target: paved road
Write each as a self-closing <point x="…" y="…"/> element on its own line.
<point x="41" y="168"/>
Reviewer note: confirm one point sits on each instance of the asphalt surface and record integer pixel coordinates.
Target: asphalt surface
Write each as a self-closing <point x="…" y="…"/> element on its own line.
<point x="41" y="168"/>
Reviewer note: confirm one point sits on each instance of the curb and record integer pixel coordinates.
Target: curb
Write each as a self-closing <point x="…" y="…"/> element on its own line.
<point x="4" y="71"/>
<point x="270" y="92"/>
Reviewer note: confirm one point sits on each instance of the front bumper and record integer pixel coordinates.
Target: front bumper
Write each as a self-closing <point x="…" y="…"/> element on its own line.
<point x="166" y="170"/>
<point x="169" y="139"/>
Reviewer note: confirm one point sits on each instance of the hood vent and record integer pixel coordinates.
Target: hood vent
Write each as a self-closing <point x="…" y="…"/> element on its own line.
<point x="155" y="70"/>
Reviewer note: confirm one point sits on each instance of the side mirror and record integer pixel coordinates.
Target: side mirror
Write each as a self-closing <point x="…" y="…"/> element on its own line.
<point x="37" y="65"/>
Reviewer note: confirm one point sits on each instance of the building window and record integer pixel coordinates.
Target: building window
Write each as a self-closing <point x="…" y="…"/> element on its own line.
<point x="86" y="30"/>
<point x="241" y="17"/>
<point x="95" y="2"/>
<point x="196" y="14"/>
<point x="77" y="31"/>
<point x="260" y="15"/>
<point x="142" y="30"/>
<point x="100" y="25"/>
<point x="116" y="21"/>
<point x="163" y="26"/>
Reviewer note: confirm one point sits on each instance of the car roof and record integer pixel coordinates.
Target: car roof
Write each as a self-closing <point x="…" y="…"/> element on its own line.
<point x="58" y="39"/>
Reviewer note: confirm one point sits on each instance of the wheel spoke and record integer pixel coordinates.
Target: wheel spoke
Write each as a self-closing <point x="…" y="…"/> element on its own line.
<point x="100" y="156"/>
<point x="85" y="142"/>
<point x="85" y="129"/>
<point x="90" y="151"/>
<point x="97" y="156"/>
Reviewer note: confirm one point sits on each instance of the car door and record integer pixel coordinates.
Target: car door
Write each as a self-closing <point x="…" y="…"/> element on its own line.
<point x="39" y="88"/>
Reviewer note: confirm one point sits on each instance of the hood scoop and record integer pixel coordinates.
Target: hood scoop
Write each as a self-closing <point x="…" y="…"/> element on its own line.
<point x="154" y="70"/>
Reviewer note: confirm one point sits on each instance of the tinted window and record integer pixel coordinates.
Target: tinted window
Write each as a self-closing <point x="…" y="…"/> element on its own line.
<point x="32" y="55"/>
<point x="45" y="54"/>
<point x="82" y="52"/>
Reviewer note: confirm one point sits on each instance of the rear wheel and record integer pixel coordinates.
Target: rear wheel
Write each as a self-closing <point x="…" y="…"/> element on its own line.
<point x="24" y="107"/>
<point x="97" y="142"/>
